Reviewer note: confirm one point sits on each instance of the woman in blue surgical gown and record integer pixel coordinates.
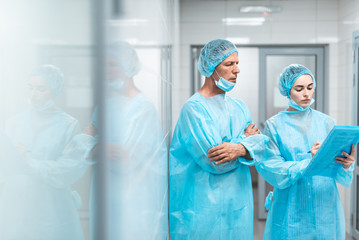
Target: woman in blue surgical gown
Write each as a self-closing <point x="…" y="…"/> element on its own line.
<point x="301" y="207"/>
<point x="37" y="201"/>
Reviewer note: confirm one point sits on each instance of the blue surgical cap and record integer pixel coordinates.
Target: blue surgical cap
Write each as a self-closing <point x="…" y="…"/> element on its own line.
<point x="213" y="53"/>
<point x="126" y="56"/>
<point x="53" y="76"/>
<point x="289" y="75"/>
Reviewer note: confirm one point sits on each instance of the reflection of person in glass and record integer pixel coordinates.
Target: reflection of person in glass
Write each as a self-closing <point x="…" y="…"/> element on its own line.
<point x="37" y="201"/>
<point x="136" y="152"/>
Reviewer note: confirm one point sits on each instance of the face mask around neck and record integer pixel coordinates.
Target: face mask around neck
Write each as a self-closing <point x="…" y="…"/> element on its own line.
<point x="116" y="85"/>
<point x="299" y="108"/>
<point x="224" y="84"/>
<point x="48" y="105"/>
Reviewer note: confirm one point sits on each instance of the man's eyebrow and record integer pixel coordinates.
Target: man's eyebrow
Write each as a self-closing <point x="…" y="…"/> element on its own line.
<point x="230" y="61"/>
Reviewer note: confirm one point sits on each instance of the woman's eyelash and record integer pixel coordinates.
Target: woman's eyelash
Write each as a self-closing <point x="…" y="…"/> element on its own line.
<point x="300" y="89"/>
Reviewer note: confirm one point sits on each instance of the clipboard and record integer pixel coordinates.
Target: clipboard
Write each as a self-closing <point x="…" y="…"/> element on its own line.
<point x="339" y="139"/>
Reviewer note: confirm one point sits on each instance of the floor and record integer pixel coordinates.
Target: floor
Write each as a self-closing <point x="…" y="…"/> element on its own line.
<point x="258" y="225"/>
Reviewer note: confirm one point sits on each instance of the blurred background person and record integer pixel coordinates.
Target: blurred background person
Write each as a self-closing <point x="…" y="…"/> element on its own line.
<point x="136" y="153"/>
<point x="37" y="201"/>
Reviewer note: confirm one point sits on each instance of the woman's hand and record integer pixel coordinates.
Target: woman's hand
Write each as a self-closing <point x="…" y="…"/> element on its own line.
<point x="251" y="130"/>
<point x="315" y="148"/>
<point x="348" y="159"/>
<point x="226" y="152"/>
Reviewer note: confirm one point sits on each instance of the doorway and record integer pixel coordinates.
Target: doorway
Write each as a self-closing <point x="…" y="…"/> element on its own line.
<point x="272" y="61"/>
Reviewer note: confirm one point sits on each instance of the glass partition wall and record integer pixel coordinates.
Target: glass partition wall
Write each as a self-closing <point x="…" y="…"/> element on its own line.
<point x="46" y="101"/>
<point x="85" y="121"/>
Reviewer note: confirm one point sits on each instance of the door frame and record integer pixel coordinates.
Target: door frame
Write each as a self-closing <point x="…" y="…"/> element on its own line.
<point x="320" y="52"/>
<point x="355" y="119"/>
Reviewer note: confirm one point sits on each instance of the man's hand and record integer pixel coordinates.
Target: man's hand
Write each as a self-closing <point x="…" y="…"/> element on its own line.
<point x="251" y="130"/>
<point x="116" y="152"/>
<point x="226" y="152"/>
<point x="90" y="130"/>
<point x="348" y="159"/>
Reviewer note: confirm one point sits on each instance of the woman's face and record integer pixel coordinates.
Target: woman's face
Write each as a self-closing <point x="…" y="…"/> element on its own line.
<point x="302" y="90"/>
<point x="39" y="91"/>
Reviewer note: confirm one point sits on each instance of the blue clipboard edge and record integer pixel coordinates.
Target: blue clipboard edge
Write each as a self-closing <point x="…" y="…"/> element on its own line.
<point x="328" y="138"/>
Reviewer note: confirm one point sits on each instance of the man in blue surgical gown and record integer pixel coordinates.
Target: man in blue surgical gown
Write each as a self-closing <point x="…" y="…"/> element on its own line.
<point x="214" y="142"/>
<point x="136" y="154"/>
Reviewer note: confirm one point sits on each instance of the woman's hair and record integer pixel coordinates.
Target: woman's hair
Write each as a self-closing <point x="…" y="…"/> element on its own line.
<point x="53" y="76"/>
<point x="289" y="75"/>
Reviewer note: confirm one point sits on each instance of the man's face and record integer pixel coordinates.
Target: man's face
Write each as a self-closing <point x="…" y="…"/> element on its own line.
<point x="228" y="68"/>
<point x="114" y="70"/>
<point x="39" y="91"/>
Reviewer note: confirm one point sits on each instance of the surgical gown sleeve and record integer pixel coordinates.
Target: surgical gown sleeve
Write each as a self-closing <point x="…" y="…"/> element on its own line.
<point x="199" y="133"/>
<point x="345" y="176"/>
<point x="71" y="164"/>
<point x="274" y="168"/>
<point x="254" y="144"/>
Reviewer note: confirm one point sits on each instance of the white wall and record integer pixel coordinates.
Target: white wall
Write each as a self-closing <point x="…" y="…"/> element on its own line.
<point x="300" y="22"/>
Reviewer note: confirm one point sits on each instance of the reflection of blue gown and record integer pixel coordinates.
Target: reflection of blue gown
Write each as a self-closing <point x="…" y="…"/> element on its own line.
<point x="209" y="201"/>
<point x="137" y="178"/>
<point x="37" y="203"/>
<point x="302" y="207"/>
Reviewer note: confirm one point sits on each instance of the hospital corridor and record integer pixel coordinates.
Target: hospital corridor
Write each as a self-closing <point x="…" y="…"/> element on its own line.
<point x="179" y="120"/>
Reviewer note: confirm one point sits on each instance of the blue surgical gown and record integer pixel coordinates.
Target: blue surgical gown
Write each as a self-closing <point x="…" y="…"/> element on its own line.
<point x="209" y="201"/>
<point x="137" y="176"/>
<point x="37" y="201"/>
<point x="303" y="207"/>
